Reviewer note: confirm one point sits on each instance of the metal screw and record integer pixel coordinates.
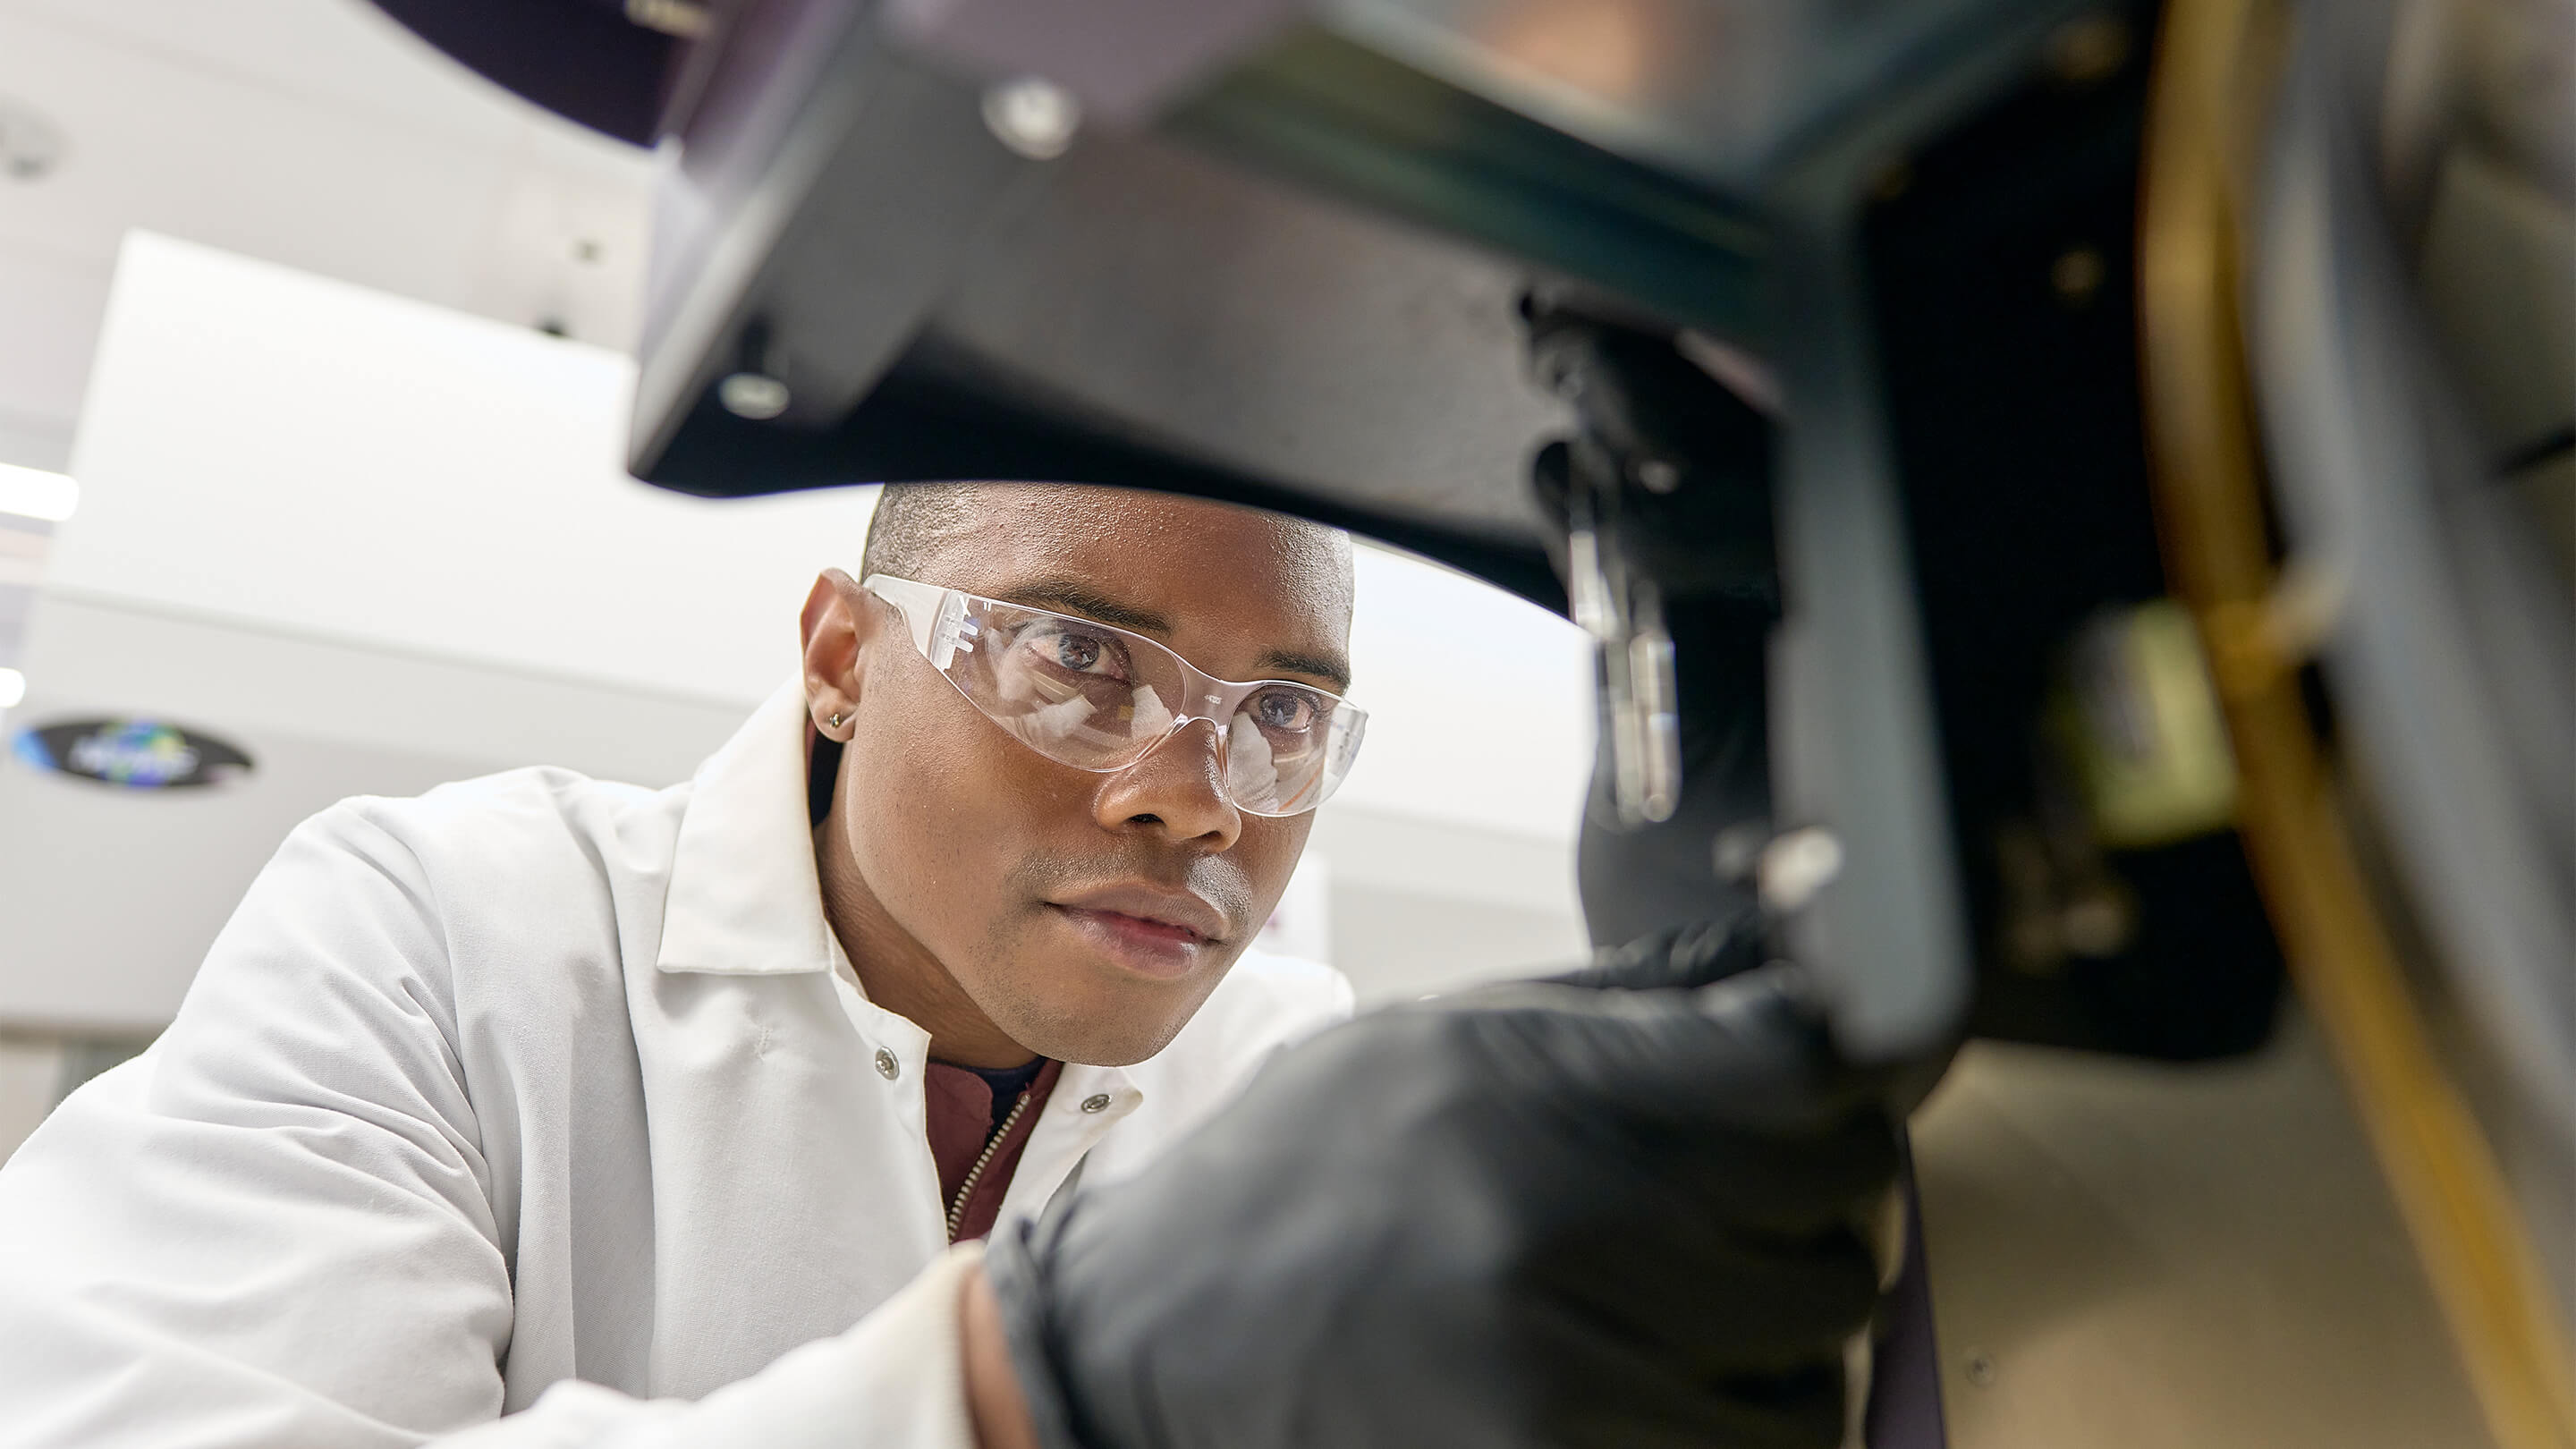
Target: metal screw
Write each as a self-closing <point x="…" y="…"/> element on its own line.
<point x="1981" y="1369"/>
<point x="1033" y="117"/>
<point x="753" y="395"/>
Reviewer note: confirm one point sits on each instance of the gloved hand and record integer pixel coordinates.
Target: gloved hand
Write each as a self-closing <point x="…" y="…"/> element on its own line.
<point x="1549" y="1214"/>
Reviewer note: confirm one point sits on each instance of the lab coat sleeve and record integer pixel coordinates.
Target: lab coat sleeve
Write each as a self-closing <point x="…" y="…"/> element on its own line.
<point x="894" y="1382"/>
<point x="275" y="1227"/>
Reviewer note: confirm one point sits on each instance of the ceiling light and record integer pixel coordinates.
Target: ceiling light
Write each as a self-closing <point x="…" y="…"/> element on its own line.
<point x="35" y="493"/>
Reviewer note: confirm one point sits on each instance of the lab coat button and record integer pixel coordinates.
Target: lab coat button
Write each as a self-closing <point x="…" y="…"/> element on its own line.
<point x="887" y="1066"/>
<point x="1097" y="1102"/>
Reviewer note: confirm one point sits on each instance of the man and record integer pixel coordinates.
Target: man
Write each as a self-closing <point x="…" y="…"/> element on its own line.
<point x="543" y="1111"/>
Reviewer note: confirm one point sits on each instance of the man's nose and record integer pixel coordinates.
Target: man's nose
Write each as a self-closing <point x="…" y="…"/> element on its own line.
<point x="1176" y="790"/>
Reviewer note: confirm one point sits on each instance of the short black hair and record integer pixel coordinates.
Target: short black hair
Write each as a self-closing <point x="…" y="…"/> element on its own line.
<point x="911" y="521"/>
<point x="914" y="522"/>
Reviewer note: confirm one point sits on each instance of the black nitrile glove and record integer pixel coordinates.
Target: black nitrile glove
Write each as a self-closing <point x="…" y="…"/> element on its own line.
<point x="1539" y="1215"/>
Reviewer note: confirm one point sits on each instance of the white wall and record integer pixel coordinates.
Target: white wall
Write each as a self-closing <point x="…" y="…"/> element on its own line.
<point x="111" y="896"/>
<point x="272" y="447"/>
<point x="1480" y="704"/>
<point x="316" y="133"/>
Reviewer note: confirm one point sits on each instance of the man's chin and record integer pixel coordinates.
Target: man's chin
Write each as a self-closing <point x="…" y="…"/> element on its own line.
<point x="1091" y="1011"/>
<point x="1085" y="1044"/>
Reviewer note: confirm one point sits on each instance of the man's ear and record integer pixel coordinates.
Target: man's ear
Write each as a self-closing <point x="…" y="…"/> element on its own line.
<point x="835" y="623"/>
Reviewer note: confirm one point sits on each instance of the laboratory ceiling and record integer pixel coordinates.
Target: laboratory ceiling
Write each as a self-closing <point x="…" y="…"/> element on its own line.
<point x="312" y="133"/>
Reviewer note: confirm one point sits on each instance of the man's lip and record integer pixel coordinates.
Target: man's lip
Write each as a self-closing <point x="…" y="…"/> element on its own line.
<point x="1181" y="910"/>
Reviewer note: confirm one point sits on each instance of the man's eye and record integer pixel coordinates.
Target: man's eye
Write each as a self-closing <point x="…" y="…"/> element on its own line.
<point x="1084" y="653"/>
<point x="1284" y="711"/>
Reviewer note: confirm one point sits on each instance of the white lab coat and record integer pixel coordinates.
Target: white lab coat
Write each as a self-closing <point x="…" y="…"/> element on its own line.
<point x="531" y="1080"/>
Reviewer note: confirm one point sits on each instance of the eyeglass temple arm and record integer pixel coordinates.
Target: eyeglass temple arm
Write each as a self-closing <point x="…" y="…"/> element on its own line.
<point x="919" y="603"/>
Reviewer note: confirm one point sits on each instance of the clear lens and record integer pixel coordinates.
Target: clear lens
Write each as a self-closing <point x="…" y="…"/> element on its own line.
<point x="1098" y="698"/>
<point x="1286" y="747"/>
<point x="1084" y="694"/>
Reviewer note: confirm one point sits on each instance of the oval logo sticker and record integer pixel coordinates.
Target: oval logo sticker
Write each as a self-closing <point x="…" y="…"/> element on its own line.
<point x="135" y="754"/>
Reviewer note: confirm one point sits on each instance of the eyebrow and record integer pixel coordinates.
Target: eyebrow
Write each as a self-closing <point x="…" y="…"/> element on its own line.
<point x="1289" y="661"/>
<point x="1073" y="597"/>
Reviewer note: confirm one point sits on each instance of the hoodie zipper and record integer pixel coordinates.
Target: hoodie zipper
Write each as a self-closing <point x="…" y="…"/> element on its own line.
<point x="966" y="1189"/>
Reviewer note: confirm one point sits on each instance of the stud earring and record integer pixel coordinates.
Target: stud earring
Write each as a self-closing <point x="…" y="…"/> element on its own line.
<point x="837" y="717"/>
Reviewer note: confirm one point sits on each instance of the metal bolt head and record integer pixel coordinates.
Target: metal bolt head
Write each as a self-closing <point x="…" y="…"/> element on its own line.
<point x="1096" y="1103"/>
<point x="887" y="1066"/>
<point x="753" y="395"/>
<point x="1796" y="866"/>
<point x="1033" y="117"/>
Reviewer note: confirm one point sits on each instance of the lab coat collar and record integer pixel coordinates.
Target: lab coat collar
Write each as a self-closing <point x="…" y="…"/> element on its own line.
<point x="744" y="897"/>
<point x="1087" y="1100"/>
<point x="745" y="901"/>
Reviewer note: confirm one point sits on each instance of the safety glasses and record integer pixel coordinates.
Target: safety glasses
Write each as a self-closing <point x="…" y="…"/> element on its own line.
<point x="1100" y="698"/>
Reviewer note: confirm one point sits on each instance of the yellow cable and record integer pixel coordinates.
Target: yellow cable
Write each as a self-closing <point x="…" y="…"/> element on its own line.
<point x="2439" y="1166"/>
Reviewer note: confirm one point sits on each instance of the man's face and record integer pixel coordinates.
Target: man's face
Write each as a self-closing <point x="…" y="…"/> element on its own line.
<point x="1086" y="915"/>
